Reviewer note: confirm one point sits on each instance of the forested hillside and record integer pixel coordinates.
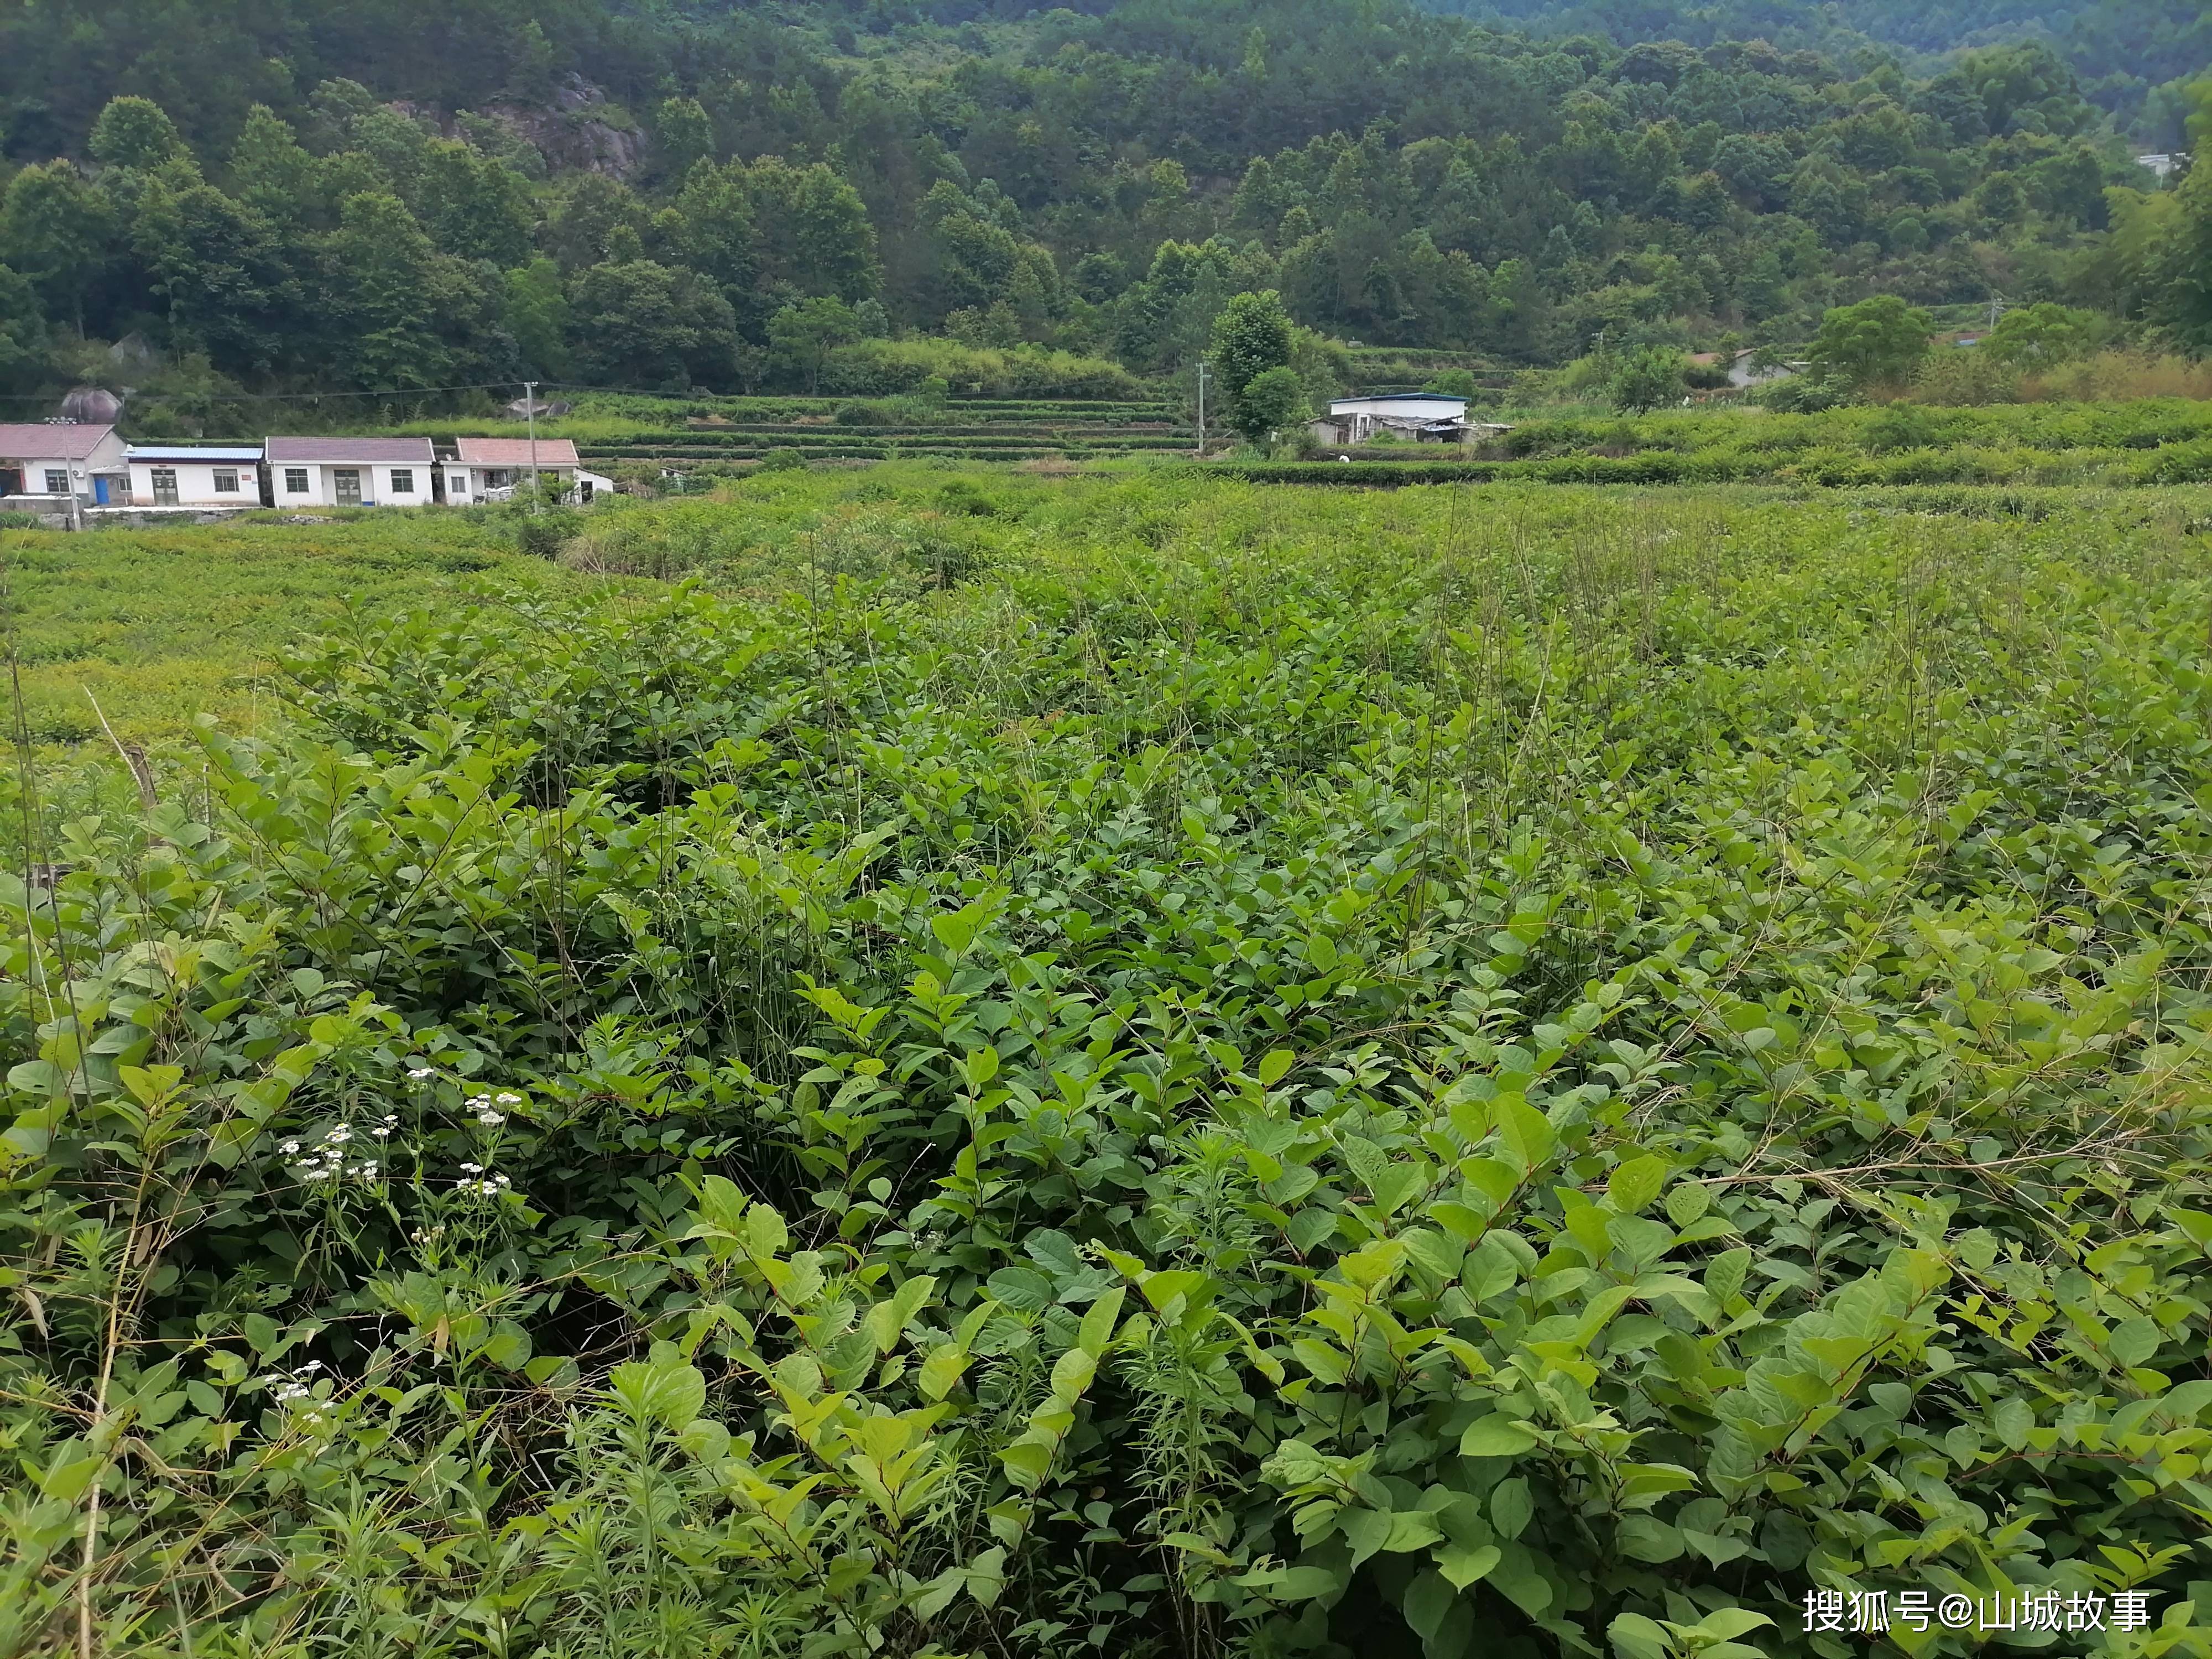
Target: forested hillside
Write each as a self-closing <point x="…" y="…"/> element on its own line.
<point x="2135" y="57"/>
<point x="390" y="194"/>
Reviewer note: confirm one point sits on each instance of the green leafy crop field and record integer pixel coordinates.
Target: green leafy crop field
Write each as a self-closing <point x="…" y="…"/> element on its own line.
<point x="160" y="624"/>
<point x="1146" y="1064"/>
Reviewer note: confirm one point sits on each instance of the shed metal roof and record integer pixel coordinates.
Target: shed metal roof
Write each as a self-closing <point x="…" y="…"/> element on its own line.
<point x="189" y="452"/>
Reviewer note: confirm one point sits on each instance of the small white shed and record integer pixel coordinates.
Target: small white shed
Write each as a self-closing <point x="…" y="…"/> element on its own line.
<point x="197" y="475"/>
<point x="1419" y="416"/>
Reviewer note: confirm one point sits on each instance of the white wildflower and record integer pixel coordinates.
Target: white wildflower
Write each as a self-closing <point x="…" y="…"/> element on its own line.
<point x="490" y="1118"/>
<point x="418" y="1072"/>
<point x="288" y="1147"/>
<point x="505" y="1099"/>
<point x="473" y="1168"/>
<point x="339" y="1134"/>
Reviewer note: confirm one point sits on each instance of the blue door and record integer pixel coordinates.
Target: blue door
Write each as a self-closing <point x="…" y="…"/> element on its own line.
<point x="99" y="492"/>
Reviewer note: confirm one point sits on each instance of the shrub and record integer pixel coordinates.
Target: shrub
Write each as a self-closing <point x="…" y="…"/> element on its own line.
<point x="542" y="534"/>
<point x="783" y="460"/>
<point x="876" y="1121"/>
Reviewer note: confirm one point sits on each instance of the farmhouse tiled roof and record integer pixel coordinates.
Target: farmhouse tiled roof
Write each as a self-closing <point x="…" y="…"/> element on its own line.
<point x="349" y="451"/>
<point x="515" y="452"/>
<point x="38" y="441"/>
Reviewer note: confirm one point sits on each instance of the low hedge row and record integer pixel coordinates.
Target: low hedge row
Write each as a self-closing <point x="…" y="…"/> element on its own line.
<point x="1832" y="469"/>
<point x="861" y="451"/>
<point x="865" y="451"/>
<point x="898" y="429"/>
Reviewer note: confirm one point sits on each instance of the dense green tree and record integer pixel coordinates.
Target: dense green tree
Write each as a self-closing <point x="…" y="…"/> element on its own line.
<point x="720" y="240"/>
<point x="640" y="324"/>
<point x="398" y="314"/>
<point x="683" y="133"/>
<point x="535" y="314"/>
<point x="22" y="331"/>
<point x="2171" y="263"/>
<point x="1876" y="341"/>
<point x="814" y="229"/>
<point x="1270" y="404"/>
<point x="474" y="206"/>
<point x="270" y="171"/>
<point x="1251" y="336"/>
<point x="587" y="218"/>
<point x="2038" y="336"/>
<point x="1648" y="378"/>
<point x="803" y="335"/>
<point x="135" y="132"/>
<point x="219" y="268"/>
<point x="58" y="229"/>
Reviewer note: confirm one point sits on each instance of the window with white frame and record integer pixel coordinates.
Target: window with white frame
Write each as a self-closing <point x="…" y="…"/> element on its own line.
<point x="56" y="481"/>
<point x="295" y="481"/>
<point x="226" y="481"/>
<point x="403" y="481"/>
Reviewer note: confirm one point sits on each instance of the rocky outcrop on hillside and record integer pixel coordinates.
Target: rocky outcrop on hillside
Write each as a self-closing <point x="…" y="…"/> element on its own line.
<point x="577" y="131"/>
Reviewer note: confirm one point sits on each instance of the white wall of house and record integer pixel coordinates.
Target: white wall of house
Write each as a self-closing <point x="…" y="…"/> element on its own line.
<point x="468" y="483"/>
<point x="196" y="483"/>
<point x="106" y="456"/>
<point x="377" y="488"/>
<point x="468" y="486"/>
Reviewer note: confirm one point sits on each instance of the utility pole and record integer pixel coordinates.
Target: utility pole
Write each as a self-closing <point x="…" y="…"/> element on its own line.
<point x="529" y="409"/>
<point x="76" y="504"/>
<point x="1202" y="409"/>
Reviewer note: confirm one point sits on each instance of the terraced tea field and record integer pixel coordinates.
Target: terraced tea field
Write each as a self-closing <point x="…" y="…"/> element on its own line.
<point x="978" y="429"/>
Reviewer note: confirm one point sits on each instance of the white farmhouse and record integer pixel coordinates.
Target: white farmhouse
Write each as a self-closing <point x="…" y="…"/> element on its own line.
<point x="352" y="472"/>
<point x="488" y="469"/>
<point x="1420" y="417"/>
<point x="196" y="476"/>
<point x="58" y="460"/>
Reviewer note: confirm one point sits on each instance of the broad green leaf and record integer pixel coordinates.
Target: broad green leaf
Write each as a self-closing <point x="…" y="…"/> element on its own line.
<point x="1097" y="1328"/>
<point x="1636" y="1183"/>
<point x="1528" y="1133"/>
<point x="1510" y="1507"/>
<point x="1463" y="1566"/>
<point x="942" y="1368"/>
<point x="1428" y="1599"/>
<point x="1494" y="1437"/>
